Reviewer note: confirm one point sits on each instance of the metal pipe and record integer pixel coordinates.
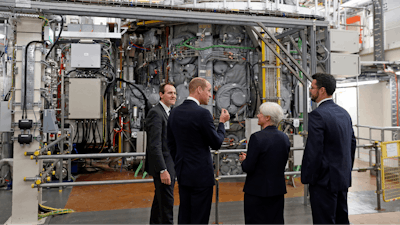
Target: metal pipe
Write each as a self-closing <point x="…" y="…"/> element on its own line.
<point x="326" y="9"/>
<point x="217" y="188"/>
<point x="334" y="11"/>
<point x="264" y="77"/>
<point x="46" y="147"/>
<point x="358" y="115"/>
<point x="278" y="70"/>
<point x="62" y="125"/>
<point x="305" y="99"/>
<point x="367" y="139"/>
<point x="31" y="178"/>
<point x="378" y="177"/>
<point x="338" y="14"/>
<point x="9" y="161"/>
<point x="290" y="173"/>
<point x="379" y="128"/>
<point x="83" y="156"/>
<point x="279" y="56"/>
<point x="294" y="61"/>
<point x="88" y="183"/>
<point x="295" y="45"/>
<point x="313" y="58"/>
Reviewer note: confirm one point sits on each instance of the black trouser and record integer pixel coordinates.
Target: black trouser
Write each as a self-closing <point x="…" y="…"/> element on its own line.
<point x="328" y="207"/>
<point x="195" y="204"/>
<point x="263" y="210"/>
<point x="163" y="202"/>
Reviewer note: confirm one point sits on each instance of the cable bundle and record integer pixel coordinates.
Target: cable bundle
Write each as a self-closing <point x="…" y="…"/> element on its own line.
<point x="48" y="211"/>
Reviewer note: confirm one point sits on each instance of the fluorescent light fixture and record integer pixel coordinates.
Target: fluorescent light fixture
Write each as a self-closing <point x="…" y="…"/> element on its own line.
<point x="354" y="84"/>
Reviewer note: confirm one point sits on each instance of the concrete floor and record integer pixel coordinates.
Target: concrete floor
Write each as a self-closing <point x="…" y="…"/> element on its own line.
<point x="361" y="209"/>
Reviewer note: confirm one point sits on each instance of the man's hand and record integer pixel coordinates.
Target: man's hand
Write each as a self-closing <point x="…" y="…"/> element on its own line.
<point x="165" y="178"/>
<point x="224" y="116"/>
<point x="242" y="156"/>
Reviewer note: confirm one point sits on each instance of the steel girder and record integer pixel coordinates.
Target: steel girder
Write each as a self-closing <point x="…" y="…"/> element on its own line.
<point x="160" y="14"/>
<point x="272" y="48"/>
<point x="287" y="53"/>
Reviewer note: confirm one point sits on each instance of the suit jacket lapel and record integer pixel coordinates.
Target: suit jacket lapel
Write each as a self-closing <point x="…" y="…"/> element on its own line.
<point x="160" y="107"/>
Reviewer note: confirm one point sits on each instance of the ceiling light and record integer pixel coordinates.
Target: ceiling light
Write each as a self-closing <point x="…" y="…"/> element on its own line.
<point x="354" y="84"/>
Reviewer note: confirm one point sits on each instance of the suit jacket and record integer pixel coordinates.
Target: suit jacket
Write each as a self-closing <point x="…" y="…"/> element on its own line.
<point x="329" y="154"/>
<point x="267" y="155"/>
<point x="191" y="133"/>
<point x="158" y="156"/>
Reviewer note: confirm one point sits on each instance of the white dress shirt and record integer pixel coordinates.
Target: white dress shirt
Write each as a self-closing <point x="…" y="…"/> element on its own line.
<point x="193" y="99"/>
<point x="166" y="108"/>
<point x="324" y="100"/>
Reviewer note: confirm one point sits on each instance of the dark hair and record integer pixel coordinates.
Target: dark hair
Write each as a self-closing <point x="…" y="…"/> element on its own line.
<point x="327" y="81"/>
<point x="162" y="87"/>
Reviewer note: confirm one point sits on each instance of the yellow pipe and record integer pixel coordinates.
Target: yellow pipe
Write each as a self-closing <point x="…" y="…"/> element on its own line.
<point x="278" y="74"/>
<point x="264" y="80"/>
<point x="149" y="22"/>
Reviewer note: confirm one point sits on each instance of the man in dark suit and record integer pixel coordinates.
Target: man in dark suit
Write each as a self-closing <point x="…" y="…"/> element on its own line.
<point x="159" y="162"/>
<point x="191" y="133"/>
<point x="329" y="154"/>
<point x="264" y="163"/>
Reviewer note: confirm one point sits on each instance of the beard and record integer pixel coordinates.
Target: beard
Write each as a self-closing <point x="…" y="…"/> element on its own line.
<point x="314" y="98"/>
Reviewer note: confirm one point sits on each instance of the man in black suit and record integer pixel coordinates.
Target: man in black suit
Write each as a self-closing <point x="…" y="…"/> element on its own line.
<point x="159" y="162"/>
<point x="191" y="133"/>
<point x="264" y="163"/>
<point x="329" y="154"/>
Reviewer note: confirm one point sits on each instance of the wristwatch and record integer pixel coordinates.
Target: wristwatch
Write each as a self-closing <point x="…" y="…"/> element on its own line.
<point x="162" y="171"/>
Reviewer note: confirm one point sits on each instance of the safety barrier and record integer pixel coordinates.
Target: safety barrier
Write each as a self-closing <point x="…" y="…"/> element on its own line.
<point x="217" y="176"/>
<point x="390" y="170"/>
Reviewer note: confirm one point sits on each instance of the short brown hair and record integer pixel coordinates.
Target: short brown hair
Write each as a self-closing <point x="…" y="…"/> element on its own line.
<point x="162" y="87"/>
<point x="196" y="82"/>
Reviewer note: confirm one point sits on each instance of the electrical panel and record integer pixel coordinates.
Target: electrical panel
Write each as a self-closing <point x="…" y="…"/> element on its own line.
<point x="298" y="154"/>
<point x="50" y="124"/>
<point x="84" y="98"/>
<point x="5" y="117"/>
<point x="85" y="55"/>
<point x="141" y="141"/>
<point x="344" y="41"/>
<point x="345" y="65"/>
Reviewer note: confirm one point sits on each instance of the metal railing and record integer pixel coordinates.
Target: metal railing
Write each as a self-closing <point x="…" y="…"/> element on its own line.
<point x="218" y="177"/>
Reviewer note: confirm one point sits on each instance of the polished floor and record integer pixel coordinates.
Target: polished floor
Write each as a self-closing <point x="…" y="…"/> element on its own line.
<point x="130" y="204"/>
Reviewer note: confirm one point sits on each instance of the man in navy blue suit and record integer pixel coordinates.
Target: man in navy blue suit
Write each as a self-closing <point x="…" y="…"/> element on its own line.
<point x="329" y="154"/>
<point x="191" y="133"/>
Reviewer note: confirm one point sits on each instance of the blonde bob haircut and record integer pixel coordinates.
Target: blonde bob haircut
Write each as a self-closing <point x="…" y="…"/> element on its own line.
<point x="273" y="110"/>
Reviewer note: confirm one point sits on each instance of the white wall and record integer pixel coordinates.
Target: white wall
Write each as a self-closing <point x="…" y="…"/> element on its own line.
<point x="374" y="106"/>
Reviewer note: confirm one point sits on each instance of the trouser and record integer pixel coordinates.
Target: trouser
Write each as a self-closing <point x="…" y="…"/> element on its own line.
<point x="328" y="207"/>
<point x="195" y="204"/>
<point x="163" y="202"/>
<point x="263" y="210"/>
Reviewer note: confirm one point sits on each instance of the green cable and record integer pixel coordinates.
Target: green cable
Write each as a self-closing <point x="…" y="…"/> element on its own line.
<point x="144" y="174"/>
<point x="57" y="212"/>
<point x="300" y="44"/>
<point x="139" y="167"/>
<point x="212" y="46"/>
